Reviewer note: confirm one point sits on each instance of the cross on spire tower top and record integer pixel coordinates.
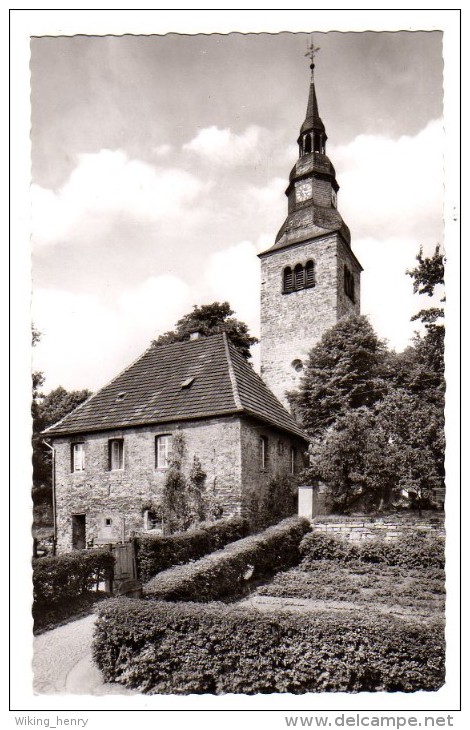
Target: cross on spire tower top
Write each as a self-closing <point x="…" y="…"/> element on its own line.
<point x="311" y="53"/>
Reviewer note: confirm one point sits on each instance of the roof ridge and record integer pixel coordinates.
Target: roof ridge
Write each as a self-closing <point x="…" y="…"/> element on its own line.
<point x="231" y="372"/>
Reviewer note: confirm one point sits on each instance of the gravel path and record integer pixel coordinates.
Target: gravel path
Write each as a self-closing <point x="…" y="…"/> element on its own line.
<point x="62" y="662"/>
<point x="302" y="605"/>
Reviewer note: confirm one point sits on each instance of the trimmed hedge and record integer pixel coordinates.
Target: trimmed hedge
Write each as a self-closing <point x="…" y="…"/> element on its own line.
<point x="162" y="648"/>
<point x="226" y="572"/>
<point x="421" y="590"/>
<point x="411" y="551"/>
<point x="155" y="553"/>
<point x="60" y="578"/>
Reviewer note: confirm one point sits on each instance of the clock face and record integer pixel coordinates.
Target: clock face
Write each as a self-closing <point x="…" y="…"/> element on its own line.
<point x="303" y="191"/>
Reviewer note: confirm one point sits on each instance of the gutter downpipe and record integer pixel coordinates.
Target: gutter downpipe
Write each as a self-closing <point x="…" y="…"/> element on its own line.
<point x="54" y="516"/>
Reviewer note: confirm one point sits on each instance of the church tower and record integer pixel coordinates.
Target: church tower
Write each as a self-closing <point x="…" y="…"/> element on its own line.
<point x="310" y="277"/>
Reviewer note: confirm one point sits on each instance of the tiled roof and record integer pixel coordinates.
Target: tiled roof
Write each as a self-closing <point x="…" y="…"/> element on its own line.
<point x="201" y="378"/>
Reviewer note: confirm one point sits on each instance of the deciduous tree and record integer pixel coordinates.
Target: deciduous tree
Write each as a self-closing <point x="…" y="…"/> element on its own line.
<point x="211" y="319"/>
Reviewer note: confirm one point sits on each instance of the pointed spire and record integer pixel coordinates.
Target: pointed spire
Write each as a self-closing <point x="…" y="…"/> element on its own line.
<point x="312" y="136"/>
<point x="312" y="117"/>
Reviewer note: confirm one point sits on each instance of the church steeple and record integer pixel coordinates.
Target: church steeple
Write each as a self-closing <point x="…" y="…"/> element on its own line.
<point x="310" y="277"/>
<point x="312" y="191"/>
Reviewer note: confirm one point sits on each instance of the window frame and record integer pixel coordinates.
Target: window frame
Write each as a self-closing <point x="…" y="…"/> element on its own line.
<point x="111" y="463"/>
<point x="169" y="441"/>
<point x="73" y="461"/>
<point x="264" y="453"/>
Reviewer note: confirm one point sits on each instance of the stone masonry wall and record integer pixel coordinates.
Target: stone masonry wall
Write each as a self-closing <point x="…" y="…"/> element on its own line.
<point x="119" y="496"/>
<point x="389" y="527"/>
<point x="278" y="464"/>
<point x="291" y="324"/>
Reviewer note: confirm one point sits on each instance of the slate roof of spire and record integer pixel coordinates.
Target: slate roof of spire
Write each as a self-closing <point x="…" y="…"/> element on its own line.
<point x="157" y="388"/>
<point x="312" y="117"/>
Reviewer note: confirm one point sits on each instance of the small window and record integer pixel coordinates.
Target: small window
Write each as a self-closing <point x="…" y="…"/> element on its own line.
<point x="78" y="457"/>
<point x="299" y="277"/>
<point x="263" y="445"/>
<point x="280" y="447"/>
<point x="163" y="451"/>
<point x="348" y="283"/>
<point x="116" y="454"/>
<point x="297" y="365"/>
<point x="309" y="274"/>
<point x="108" y="522"/>
<point x="317" y="143"/>
<point x="308" y="144"/>
<point x="292" y="460"/>
<point x="288" y="283"/>
<point x="334" y="199"/>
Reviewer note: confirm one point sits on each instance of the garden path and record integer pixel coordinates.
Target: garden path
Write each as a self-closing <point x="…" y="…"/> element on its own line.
<point x="62" y="662"/>
<point x="304" y="605"/>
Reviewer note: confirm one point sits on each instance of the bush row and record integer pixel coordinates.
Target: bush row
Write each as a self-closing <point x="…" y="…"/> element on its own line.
<point x="168" y="648"/>
<point x="155" y="553"/>
<point x="59" y="578"/>
<point x="226" y="572"/>
<point x="422" y="590"/>
<point x="411" y="551"/>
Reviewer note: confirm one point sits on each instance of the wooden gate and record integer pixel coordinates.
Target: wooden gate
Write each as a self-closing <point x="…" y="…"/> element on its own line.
<point x="125" y="579"/>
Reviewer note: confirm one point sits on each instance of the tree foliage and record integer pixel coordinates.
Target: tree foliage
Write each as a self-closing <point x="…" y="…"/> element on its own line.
<point x="377" y="416"/>
<point x="343" y="372"/>
<point x="47" y="410"/>
<point x="211" y="319"/>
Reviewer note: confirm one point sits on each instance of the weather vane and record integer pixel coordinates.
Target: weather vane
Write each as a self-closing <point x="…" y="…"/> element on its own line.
<point x="311" y="51"/>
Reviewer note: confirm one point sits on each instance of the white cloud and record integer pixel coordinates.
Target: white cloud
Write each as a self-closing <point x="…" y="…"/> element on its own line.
<point x="162" y="150"/>
<point x="386" y="292"/>
<point x="85" y="343"/>
<point x="392" y="186"/>
<point x="224" y="146"/>
<point x="109" y="185"/>
<point x="155" y="305"/>
<point x="233" y="275"/>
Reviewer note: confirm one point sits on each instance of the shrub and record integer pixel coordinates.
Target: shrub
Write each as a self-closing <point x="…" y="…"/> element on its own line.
<point x="162" y="648"/>
<point x="421" y="589"/>
<point x="226" y="572"/>
<point x="415" y="550"/>
<point x="155" y="553"/>
<point x="65" y="577"/>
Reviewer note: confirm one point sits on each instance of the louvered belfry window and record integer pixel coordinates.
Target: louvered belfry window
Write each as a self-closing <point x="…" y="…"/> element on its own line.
<point x="309" y="274"/>
<point x="299" y="277"/>
<point x="288" y="283"/>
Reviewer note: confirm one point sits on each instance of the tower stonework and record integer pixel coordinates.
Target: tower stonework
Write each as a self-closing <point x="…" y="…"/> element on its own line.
<point x="310" y="277"/>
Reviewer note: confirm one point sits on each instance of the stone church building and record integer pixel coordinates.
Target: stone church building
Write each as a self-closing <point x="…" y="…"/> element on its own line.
<point x="112" y="452"/>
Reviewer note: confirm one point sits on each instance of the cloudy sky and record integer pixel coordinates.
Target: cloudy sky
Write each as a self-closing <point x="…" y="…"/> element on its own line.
<point x="159" y="165"/>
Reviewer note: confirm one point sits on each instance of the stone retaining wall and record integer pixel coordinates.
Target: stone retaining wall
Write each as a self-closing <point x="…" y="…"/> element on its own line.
<point x="389" y="527"/>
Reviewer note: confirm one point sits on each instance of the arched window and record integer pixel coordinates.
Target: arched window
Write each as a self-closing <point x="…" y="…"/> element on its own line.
<point x="309" y="274"/>
<point x="308" y="144"/>
<point x="317" y="143"/>
<point x="348" y="283"/>
<point x="288" y="282"/>
<point x="299" y="277"/>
